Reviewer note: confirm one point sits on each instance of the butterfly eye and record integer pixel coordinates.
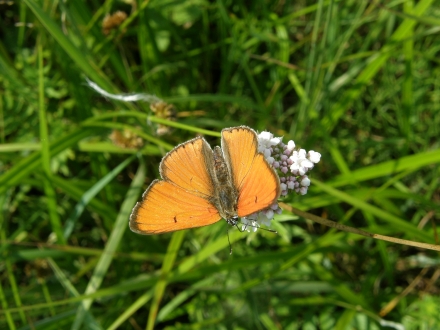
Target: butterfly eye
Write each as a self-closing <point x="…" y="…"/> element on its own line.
<point x="232" y="221"/>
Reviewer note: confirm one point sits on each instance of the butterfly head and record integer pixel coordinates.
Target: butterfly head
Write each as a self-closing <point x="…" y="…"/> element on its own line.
<point x="232" y="220"/>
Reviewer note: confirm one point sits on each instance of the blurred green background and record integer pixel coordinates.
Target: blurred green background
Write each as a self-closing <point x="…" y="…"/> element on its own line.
<point x="357" y="81"/>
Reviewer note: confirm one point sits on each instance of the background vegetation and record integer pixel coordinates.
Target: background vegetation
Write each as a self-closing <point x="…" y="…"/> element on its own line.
<point x="358" y="81"/>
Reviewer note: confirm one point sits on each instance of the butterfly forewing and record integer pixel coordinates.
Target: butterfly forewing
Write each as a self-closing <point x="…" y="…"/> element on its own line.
<point x="189" y="166"/>
<point x="166" y="207"/>
<point x="260" y="188"/>
<point x="257" y="183"/>
<point x="239" y="145"/>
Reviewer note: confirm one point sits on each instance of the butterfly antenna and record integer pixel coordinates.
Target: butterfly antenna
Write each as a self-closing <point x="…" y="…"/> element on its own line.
<point x="229" y="241"/>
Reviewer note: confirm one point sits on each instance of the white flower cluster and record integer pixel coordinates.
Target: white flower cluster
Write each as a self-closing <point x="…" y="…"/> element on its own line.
<point x="291" y="166"/>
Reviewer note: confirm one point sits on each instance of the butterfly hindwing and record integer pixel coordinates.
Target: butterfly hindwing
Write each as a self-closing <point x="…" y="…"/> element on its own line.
<point x="166" y="207"/>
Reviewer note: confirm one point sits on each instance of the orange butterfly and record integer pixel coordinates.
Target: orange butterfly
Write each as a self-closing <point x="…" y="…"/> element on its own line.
<point x="200" y="186"/>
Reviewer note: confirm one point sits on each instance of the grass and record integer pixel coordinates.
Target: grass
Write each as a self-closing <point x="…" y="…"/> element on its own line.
<point x="356" y="81"/>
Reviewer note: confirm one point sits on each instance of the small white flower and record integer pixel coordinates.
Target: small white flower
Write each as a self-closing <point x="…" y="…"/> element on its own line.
<point x="297" y="169"/>
<point x="264" y="139"/>
<point x="314" y="156"/>
<point x="275" y="141"/>
<point x="265" y="218"/>
<point x="294" y="167"/>
<point x="306" y="163"/>
<point x="294" y="156"/>
<point x="249" y="224"/>
<point x="305" y="182"/>
<point x="265" y="135"/>
<point x="290" y="145"/>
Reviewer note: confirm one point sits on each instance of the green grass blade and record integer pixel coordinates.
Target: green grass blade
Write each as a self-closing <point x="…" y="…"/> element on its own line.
<point x="148" y="117"/>
<point x="209" y="250"/>
<point x="91" y="193"/>
<point x="130" y="310"/>
<point x="45" y="154"/>
<point x="105" y="260"/>
<point x="388" y="168"/>
<point x="408" y="228"/>
<point x="4" y="303"/>
<point x="14" y="288"/>
<point x="87" y="67"/>
<point x="407" y="90"/>
<point x="167" y="265"/>
<point x="28" y="165"/>
<point x="106" y="211"/>
<point x="239" y="100"/>
<point x="62" y="278"/>
<point x="181" y="298"/>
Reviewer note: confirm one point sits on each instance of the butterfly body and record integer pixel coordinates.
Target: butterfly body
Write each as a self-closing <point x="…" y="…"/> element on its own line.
<point x="201" y="185"/>
<point x="226" y="194"/>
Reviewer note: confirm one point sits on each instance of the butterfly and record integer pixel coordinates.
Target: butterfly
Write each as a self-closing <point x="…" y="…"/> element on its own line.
<point x="201" y="185"/>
